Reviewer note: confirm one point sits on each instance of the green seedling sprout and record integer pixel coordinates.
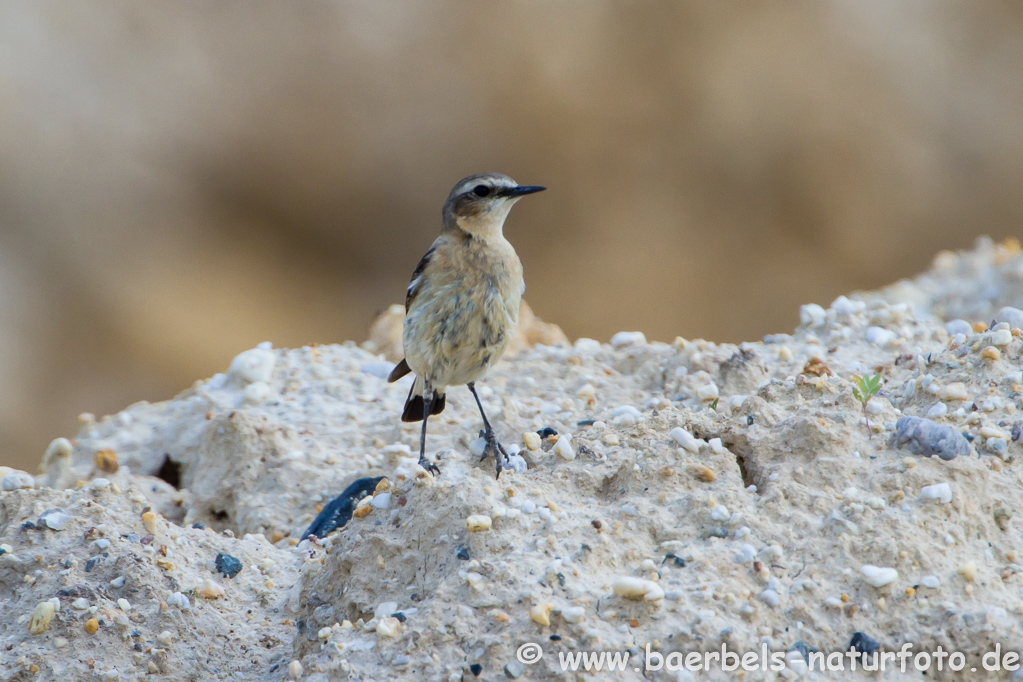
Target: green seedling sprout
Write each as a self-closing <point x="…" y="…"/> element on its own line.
<point x="864" y="388"/>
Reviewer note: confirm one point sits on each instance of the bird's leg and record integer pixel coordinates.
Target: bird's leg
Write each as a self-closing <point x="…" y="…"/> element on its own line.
<point x="427" y="400"/>
<point x="493" y="445"/>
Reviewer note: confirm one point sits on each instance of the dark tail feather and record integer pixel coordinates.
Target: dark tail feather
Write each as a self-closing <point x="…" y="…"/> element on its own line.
<point x="413" y="411"/>
<point x="400" y="370"/>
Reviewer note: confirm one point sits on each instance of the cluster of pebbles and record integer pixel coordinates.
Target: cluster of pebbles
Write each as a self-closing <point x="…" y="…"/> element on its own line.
<point x="676" y="495"/>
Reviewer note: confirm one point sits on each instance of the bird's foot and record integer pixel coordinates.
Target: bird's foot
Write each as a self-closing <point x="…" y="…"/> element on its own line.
<point x="430" y="467"/>
<point x="494" y="448"/>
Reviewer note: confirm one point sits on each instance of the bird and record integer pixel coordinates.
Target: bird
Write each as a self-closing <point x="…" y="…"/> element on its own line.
<point x="462" y="304"/>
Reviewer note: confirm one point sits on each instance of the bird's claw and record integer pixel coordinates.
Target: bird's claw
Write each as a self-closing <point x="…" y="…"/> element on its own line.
<point x="430" y="467"/>
<point x="494" y="447"/>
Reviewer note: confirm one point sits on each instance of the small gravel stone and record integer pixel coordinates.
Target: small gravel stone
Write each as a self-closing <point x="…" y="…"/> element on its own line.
<point x="939" y="492"/>
<point x="930" y="581"/>
<point x="514" y="669"/>
<point x="963" y="327"/>
<point x="878" y="576"/>
<point x="389" y="626"/>
<point x="574" y="614"/>
<point x="863" y="644"/>
<point x="685" y="439"/>
<point x="227" y="565"/>
<point x="771" y="598"/>
<point x="41" y="617"/>
<point x="541" y="613"/>
<point x="531" y="440"/>
<point x="478" y="523"/>
<point x="637" y="589"/>
<point x="622" y="339"/>
<point x="1014" y="316"/>
<point x="927" y="438"/>
<point x="17" y="481"/>
<point x="54" y="519"/>
<point x="812" y="315"/>
<point x="179" y="600"/>
<point x="563" y="447"/>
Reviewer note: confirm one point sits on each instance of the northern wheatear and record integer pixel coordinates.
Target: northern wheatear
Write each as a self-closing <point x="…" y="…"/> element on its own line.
<point x="462" y="305"/>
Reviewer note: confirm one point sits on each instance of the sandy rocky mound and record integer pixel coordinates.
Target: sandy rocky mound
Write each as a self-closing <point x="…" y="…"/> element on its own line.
<point x="695" y="494"/>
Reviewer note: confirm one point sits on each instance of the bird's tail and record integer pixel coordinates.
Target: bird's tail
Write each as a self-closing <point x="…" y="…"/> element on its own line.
<point x="415" y="406"/>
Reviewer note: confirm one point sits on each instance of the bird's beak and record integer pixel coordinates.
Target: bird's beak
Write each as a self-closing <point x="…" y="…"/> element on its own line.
<point x="522" y="190"/>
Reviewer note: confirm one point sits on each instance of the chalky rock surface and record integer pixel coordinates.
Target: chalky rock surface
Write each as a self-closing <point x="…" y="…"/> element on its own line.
<point x="717" y="494"/>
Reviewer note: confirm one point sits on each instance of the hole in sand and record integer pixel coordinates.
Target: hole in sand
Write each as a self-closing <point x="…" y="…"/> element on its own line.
<point x="746" y="467"/>
<point x="170" y="471"/>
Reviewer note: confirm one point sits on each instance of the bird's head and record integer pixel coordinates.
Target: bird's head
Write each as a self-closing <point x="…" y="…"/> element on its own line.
<point x="479" y="204"/>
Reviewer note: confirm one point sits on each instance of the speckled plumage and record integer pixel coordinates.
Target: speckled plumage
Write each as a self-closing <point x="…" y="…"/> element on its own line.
<point x="462" y="305"/>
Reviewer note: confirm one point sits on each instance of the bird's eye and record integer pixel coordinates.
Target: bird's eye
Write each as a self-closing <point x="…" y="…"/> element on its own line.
<point x="481" y="190"/>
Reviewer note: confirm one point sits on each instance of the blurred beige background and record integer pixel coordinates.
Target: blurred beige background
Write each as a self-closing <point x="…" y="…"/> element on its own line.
<point x="180" y="181"/>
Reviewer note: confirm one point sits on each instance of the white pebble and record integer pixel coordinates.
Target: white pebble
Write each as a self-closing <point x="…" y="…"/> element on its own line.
<point x="715" y="446"/>
<point x="55" y="519"/>
<point x="937" y="411"/>
<point x="707" y="393"/>
<point x="123" y="604"/>
<point x="930" y="581"/>
<point x="117" y="582"/>
<point x="771" y="598"/>
<point x="625" y="410"/>
<point x="685" y="439"/>
<point x="628" y="339"/>
<point x="746" y="554"/>
<point x="385" y="608"/>
<point x="878" y="576"/>
<point x="563" y="447"/>
<point x="389" y="627"/>
<point x="879" y="336"/>
<point x="295" y="670"/>
<point x="1002" y="337"/>
<point x="843" y="306"/>
<point x="720" y="513"/>
<point x="574" y="614"/>
<point x="17" y="481"/>
<point x="637" y="589"/>
<point x="179" y="600"/>
<point x="963" y="327"/>
<point x="253" y="365"/>
<point x="942" y="492"/>
<point x="812" y="315"/>
<point x="954" y="391"/>
<point x="477" y="447"/>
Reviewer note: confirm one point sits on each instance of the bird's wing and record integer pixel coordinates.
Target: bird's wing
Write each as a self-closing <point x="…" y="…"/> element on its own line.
<point x="413" y="286"/>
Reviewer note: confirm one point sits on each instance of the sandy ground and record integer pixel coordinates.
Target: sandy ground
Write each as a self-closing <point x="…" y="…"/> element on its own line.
<point x="695" y="495"/>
